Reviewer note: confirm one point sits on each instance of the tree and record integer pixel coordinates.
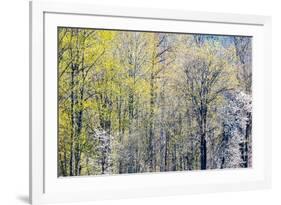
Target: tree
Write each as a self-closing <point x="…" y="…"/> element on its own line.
<point x="243" y="47"/>
<point x="235" y="118"/>
<point x="207" y="77"/>
<point x="244" y="53"/>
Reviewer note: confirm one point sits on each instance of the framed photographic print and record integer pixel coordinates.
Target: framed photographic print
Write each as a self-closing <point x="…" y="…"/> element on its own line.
<point x="129" y="102"/>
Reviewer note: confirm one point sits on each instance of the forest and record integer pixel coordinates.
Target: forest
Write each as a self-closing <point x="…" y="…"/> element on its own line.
<point x="138" y="102"/>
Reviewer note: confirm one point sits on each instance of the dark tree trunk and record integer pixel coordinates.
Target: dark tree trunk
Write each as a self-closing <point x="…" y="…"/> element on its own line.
<point x="245" y="154"/>
<point x="203" y="152"/>
<point x="79" y="128"/>
<point x="166" y="165"/>
<point x="72" y="145"/>
<point x="203" y="128"/>
<point x="174" y="158"/>
<point x="151" y="131"/>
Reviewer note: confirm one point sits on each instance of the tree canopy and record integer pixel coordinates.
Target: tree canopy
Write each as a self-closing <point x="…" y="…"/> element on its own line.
<point x="134" y="102"/>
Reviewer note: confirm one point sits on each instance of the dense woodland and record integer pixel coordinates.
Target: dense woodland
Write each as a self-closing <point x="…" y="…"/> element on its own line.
<point x="134" y="102"/>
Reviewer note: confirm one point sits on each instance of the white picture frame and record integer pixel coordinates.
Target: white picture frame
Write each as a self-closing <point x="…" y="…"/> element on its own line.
<point x="46" y="187"/>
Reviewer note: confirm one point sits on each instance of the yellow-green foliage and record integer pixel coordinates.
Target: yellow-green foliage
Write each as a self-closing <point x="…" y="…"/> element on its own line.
<point x="127" y="83"/>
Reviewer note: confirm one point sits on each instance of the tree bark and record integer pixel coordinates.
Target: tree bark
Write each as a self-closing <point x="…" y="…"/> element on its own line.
<point x="151" y="116"/>
<point x="203" y="128"/>
<point x="72" y="145"/>
<point x="246" y="143"/>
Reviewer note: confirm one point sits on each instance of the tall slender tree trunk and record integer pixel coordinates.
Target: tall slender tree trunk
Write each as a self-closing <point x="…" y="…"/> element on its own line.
<point x="72" y="135"/>
<point x="120" y="133"/>
<point x="166" y="165"/>
<point x="63" y="160"/>
<point x="79" y="123"/>
<point x="174" y="158"/>
<point x="151" y="126"/>
<point x="246" y="143"/>
<point x="203" y="129"/>
<point x="79" y="128"/>
<point x="203" y="152"/>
